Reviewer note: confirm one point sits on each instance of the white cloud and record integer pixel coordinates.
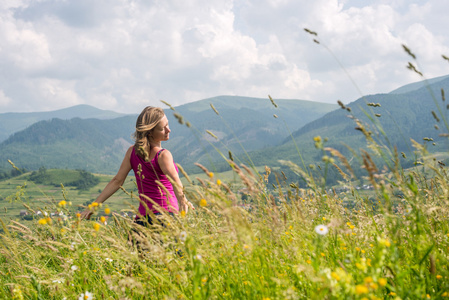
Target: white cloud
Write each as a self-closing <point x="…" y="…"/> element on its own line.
<point x="123" y="55"/>
<point x="4" y="100"/>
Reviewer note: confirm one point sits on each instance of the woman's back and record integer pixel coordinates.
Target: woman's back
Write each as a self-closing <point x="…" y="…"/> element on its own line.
<point x="147" y="173"/>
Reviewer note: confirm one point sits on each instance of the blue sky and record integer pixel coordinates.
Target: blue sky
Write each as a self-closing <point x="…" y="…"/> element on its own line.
<point x="123" y="55"/>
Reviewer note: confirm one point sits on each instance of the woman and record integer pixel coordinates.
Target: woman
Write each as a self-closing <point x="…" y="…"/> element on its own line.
<point x="150" y="163"/>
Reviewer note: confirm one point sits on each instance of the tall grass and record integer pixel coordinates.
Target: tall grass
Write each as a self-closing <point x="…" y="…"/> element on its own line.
<point x="393" y="244"/>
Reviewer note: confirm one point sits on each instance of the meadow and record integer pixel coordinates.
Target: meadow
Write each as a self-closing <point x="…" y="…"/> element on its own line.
<point x="247" y="238"/>
<point x="282" y="243"/>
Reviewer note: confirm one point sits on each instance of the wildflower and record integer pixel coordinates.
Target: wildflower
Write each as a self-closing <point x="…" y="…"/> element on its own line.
<point x="321" y="229"/>
<point x="309" y="261"/>
<point x="203" y="202"/>
<point x="62" y="203"/>
<point x="183" y="213"/>
<point x="102" y="219"/>
<point x="42" y="221"/>
<point x="335" y="276"/>
<point x="96" y="226"/>
<point x="86" y="296"/>
<point x="218" y="182"/>
<point x="317" y="139"/>
<point x="439" y="276"/>
<point x="198" y="257"/>
<point x="95" y="204"/>
<point x="74" y="267"/>
<point x="78" y="215"/>
<point x="211" y="174"/>
<point x="368" y="279"/>
<point x="361" y="289"/>
<point x="109" y="259"/>
<point x="183" y="236"/>
<point x="107" y="211"/>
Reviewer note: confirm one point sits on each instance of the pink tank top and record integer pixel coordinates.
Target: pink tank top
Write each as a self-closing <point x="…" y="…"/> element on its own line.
<point x="146" y="175"/>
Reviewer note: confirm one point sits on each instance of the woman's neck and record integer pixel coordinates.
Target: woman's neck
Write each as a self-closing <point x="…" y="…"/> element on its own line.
<point x="155" y="144"/>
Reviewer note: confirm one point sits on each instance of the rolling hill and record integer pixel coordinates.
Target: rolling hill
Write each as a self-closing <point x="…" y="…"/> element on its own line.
<point x="392" y="120"/>
<point x="14" y="122"/>
<point x="98" y="145"/>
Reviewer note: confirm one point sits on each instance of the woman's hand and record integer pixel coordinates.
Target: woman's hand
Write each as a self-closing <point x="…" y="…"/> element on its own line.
<point x="86" y="214"/>
<point x="185" y="205"/>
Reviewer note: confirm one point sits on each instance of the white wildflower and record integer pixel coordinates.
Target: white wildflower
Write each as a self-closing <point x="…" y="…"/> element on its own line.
<point x="86" y="296"/>
<point x="321" y="229"/>
<point x="74" y="267"/>
<point x="183" y="236"/>
<point x="198" y="257"/>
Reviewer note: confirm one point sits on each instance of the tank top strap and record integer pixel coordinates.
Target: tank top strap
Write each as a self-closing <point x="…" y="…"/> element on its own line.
<point x="157" y="154"/>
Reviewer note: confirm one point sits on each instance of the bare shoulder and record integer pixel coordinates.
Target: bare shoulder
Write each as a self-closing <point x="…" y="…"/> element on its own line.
<point x="130" y="149"/>
<point x="165" y="155"/>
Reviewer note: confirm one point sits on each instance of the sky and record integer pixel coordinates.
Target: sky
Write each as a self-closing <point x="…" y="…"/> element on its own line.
<point x="123" y="55"/>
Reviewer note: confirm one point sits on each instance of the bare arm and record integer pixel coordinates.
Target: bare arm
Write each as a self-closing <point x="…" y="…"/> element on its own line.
<point x="114" y="184"/>
<point x="167" y="166"/>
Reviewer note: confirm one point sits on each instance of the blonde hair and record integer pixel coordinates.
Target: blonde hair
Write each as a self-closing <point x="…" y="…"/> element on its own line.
<point x="146" y="122"/>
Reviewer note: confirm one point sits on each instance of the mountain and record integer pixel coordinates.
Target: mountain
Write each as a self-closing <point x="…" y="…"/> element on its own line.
<point x="242" y="124"/>
<point x="400" y="117"/>
<point x="417" y="85"/>
<point x="13" y="122"/>
<point x="99" y="145"/>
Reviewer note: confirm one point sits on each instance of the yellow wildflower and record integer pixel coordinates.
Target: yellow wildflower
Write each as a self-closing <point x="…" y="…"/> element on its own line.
<point x="203" y="202"/>
<point x="335" y="276"/>
<point x="218" y="182"/>
<point x="107" y="211"/>
<point x="95" y="204"/>
<point x="211" y="174"/>
<point x="102" y="219"/>
<point x="368" y="279"/>
<point x="42" y="221"/>
<point x="96" y="226"/>
<point x="361" y="289"/>
<point x="62" y="203"/>
<point x="439" y="276"/>
<point x="382" y="281"/>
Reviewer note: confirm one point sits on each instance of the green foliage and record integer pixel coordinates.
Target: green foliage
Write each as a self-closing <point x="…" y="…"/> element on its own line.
<point x="79" y="179"/>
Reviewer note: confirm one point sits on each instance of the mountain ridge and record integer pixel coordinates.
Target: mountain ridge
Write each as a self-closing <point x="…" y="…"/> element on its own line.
<point x="252" y="124"/>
